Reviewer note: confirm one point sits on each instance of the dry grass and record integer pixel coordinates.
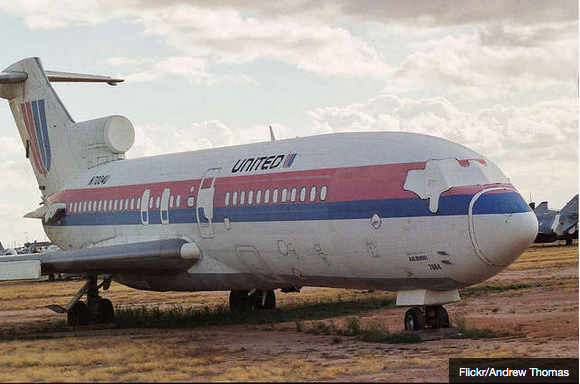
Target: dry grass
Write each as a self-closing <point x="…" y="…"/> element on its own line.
<point x="547" y="256"/>
<point x="156" y="358"/>
<point x="97" y="354"/>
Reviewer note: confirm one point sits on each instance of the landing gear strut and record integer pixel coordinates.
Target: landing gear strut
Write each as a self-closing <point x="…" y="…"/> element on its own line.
<point x="95" y="310"/>
<point x="252" y="300"/>
<point x="433" y="317"/>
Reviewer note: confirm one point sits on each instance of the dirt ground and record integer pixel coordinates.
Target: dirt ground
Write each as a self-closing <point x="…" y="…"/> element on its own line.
<point x="532" y="309"/>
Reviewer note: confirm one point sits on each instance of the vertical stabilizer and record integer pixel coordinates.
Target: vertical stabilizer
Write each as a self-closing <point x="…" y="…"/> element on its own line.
<point x="42" y="122"/>
<point x="57" y="147"/>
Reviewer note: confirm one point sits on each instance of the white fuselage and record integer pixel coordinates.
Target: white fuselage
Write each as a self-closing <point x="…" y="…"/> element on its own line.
<point x="389" y="211"/>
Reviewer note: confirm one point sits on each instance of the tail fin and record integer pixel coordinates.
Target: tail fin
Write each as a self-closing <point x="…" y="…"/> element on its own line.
<point x="571" y="208"/>
<point x="56" y="146"/>
<point x="542" y="208"/>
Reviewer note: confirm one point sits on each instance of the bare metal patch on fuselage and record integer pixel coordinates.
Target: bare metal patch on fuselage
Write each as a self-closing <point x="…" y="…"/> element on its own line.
<point x="440" y="175"/>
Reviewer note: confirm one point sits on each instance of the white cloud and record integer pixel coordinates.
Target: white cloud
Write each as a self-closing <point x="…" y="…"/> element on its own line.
<point x="535" y="145"/>
<point x="461" y="66"/>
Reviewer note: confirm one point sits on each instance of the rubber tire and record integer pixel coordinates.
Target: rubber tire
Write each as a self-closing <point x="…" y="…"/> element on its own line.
<point x="441" y="318"/>
<point x="256" y="300"/>
<point x="78" y="314"/>
<point x="270" y="300"/>
<point x="414" y="319"/>
<point x="105" y="311"/>
<point x="239" y="301"/>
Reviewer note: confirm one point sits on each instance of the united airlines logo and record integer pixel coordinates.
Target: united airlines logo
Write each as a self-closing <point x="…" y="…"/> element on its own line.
<point x="34" y="115"/>
<point x="263" y="163"/>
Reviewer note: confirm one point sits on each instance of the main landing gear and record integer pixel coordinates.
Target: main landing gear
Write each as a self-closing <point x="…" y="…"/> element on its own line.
<point x="252" y="300"/>
<point x="433" y="317"/>
<point x="95" y="310"/>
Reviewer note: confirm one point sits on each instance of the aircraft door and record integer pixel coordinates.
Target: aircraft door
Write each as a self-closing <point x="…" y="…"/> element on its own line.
<point x="205" y="196"/>
<point x="164" y="208"/>
<point x="145" y="207"/>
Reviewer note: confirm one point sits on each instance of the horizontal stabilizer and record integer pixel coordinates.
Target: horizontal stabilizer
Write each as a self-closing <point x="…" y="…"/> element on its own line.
<point x="19" y="270"/>
<point x="13" y="77"/>
<point x="55" y="76"/>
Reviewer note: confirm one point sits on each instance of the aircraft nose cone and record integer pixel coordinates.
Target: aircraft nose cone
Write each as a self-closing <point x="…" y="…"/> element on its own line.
<point x="501" y="225"/>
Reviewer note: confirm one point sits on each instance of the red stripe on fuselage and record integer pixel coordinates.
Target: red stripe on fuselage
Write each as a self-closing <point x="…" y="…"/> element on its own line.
<point x="343" y="184"/>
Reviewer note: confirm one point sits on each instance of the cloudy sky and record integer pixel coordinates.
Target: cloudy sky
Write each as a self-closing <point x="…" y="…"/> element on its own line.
<point x="500" y="77"/>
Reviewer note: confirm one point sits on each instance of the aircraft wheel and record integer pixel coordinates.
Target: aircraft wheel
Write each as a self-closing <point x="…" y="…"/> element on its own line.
<point x="270" y="300"/>
<point x="239" y="301"/>
<point x="78" y="314"/>
<point x="259" y="303"/>
<point x="441" y="318"/>
<point x="414" y="319"/>
<point x="105" y="311"/>
<point x="436" y="317"/>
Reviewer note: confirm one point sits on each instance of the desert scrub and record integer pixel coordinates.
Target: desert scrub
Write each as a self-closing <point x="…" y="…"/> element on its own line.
<point x="178" y="316"/>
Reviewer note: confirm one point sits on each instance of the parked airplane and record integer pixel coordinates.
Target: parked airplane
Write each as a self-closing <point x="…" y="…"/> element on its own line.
<point x="7" y="251"/>
<point x="557" y="225"/>
<point x="378" y="210"/>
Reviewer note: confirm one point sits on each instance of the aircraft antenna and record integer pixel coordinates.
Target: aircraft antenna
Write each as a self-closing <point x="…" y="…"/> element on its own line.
<point x="272" y="138"/>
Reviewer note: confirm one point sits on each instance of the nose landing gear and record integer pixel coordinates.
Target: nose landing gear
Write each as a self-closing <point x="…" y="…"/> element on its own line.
<point x="433" y="317"/>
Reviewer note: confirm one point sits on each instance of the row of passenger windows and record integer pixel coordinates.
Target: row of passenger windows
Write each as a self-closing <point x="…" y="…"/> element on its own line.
<point x="128" y="204"/>
<point x="292" y="195"/>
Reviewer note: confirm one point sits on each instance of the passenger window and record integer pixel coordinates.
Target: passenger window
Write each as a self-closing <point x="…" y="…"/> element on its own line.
<point x="302" y="193"/>
<point x="178" y="201"/>
<point x="323" y="193"/>
<point x="235" y="198"/>
<point x="127" y="204"/>
<point x="275" y="196"/>
<point x="133" y="203"/>
<point x="157" y="202"/>
<point x="242" y="197"/>
<point x="151" y="202"/>
<point x="85" y="206"/>
<point x="284" y="195"/>
<point x="250" y="197"/>
<point x="267" y="196"/>
<point x="100" y="205"/>
<point x="258" y="196"/>
<point x="313" y="193"/>
<point x="139" y="203"/>
<point x="90" y="205"/>
<point x="116" y="202"/>
<point x="227" y="202"/>
<point x="121" y="205"/>
<point x="293" y="195"/>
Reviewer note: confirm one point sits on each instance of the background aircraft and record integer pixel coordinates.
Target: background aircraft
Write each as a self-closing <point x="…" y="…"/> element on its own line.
<point x="557" y="225"/>
<point x="396" y="211"/>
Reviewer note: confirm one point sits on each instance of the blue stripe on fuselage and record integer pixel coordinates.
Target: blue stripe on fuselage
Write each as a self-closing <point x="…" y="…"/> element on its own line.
<point x="452" y="205"/>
